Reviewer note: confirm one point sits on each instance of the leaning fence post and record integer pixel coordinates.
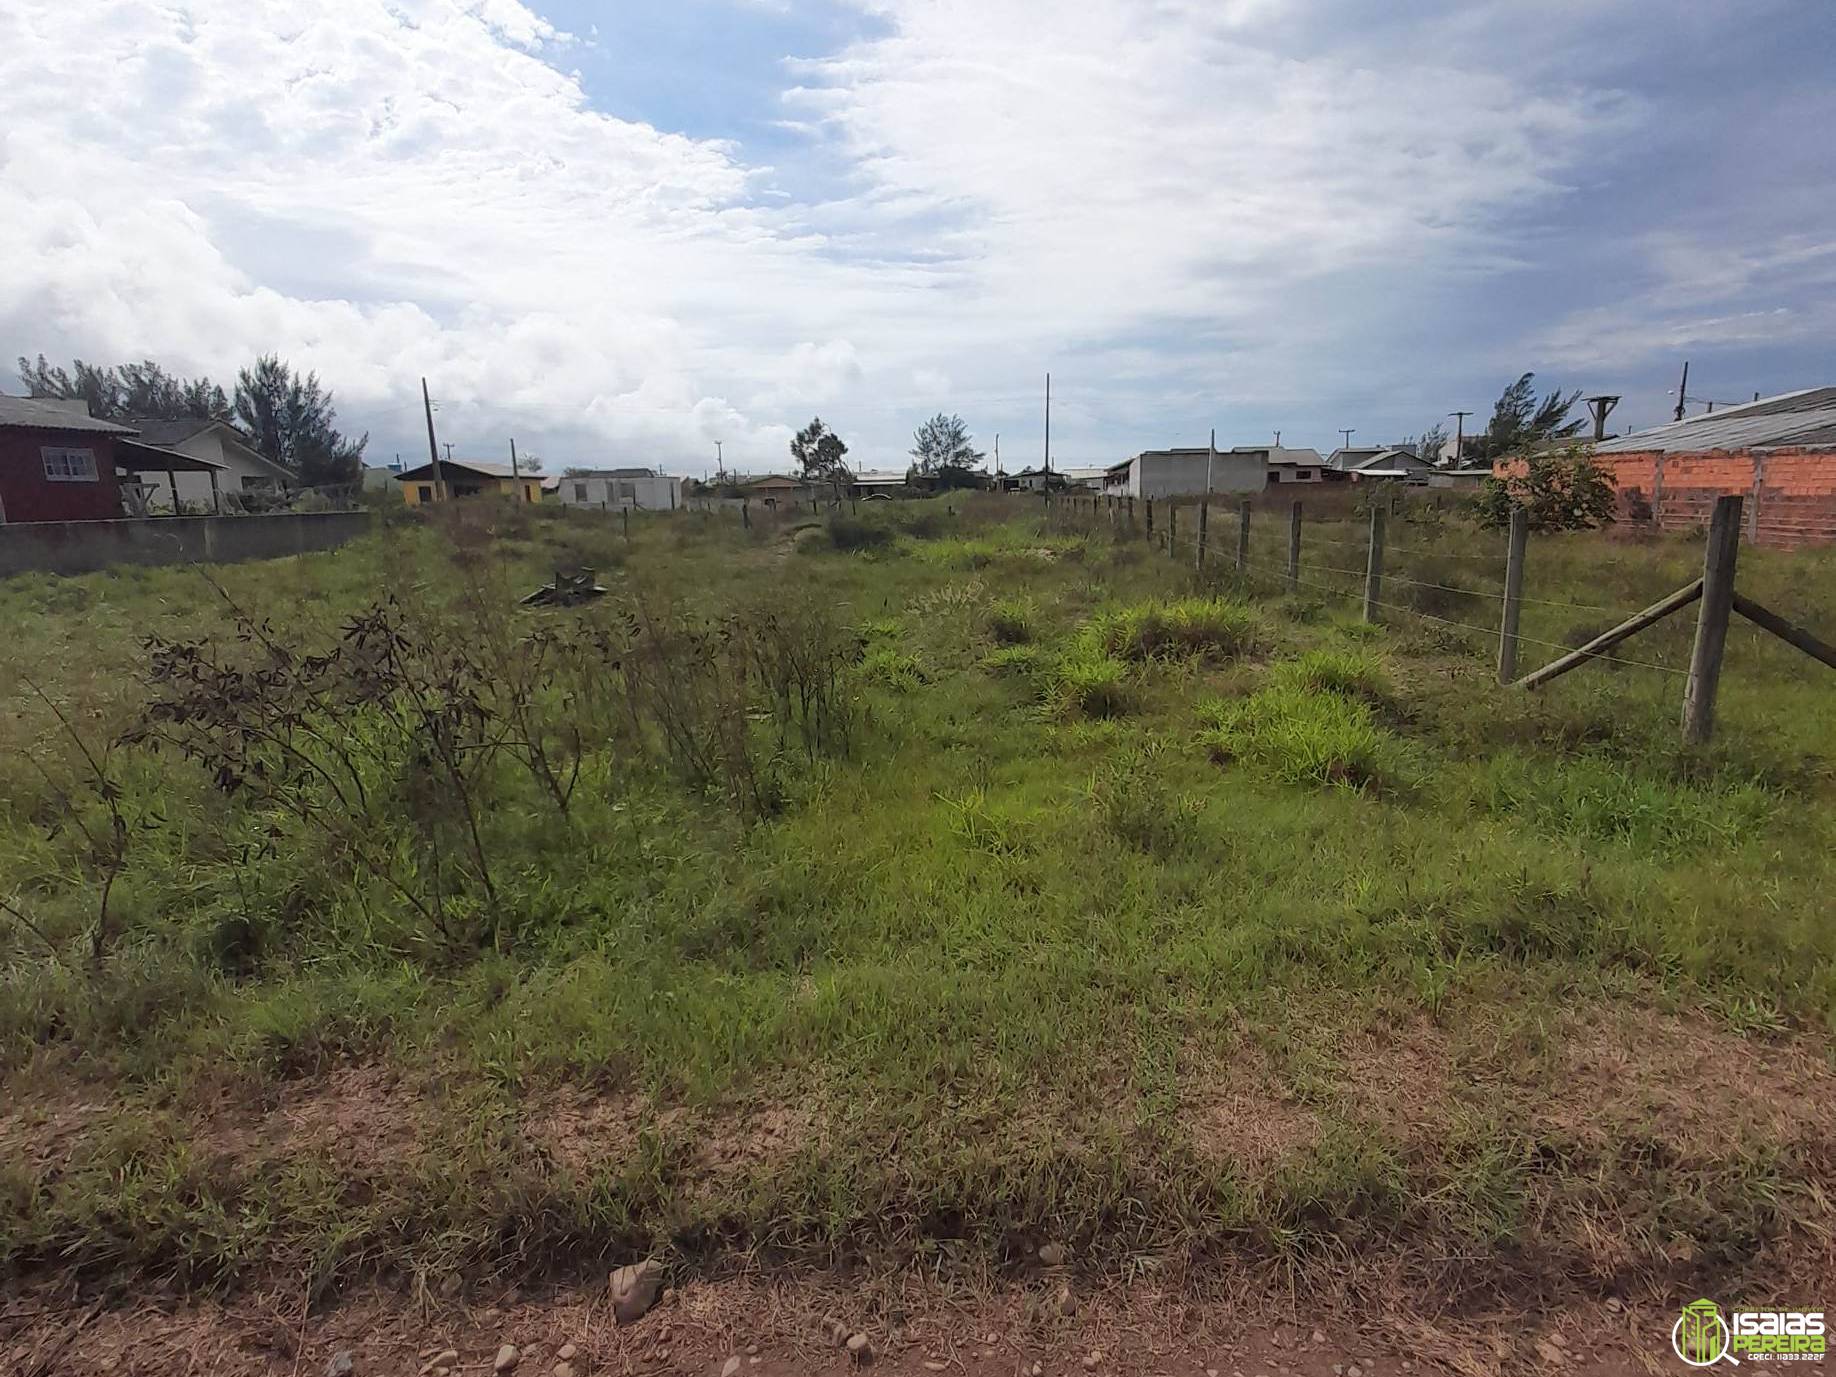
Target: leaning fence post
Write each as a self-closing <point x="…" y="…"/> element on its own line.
<point x="1513" y="595"/>
<point x="1172" y="530"/>
<point x="1294" y="525"/>
<point x="1712" y="621"/>
<point x="1198" y="562"/>
<point x="1373" y="567"/>
<point x="1243" y="518"/>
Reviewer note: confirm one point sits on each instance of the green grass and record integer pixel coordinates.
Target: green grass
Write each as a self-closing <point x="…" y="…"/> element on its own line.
<point x="1023" y="942"/>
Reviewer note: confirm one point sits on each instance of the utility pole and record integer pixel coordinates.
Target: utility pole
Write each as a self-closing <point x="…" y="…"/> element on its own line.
<point x="1682" y="389"/>
<point x="1048" y="428"/>
<point x="1459" y="443"/>
<point x="1348" y="432"/>
<point x="1211" y="456"/>
<point x="447" y="445"/>
<point x="997" y="461"/>
<point x="515" y="472"/>
<point x="433" y="449"/>
<point x="1214" y="440"/>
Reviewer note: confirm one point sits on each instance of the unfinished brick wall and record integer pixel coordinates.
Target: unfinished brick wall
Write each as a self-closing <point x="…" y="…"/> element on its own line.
<point x="1790" y="493"/>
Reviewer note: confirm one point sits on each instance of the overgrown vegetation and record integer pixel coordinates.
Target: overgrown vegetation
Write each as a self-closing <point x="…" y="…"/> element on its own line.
<point x="910" y="899"/>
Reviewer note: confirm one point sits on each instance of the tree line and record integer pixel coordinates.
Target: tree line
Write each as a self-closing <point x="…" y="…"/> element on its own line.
<point x="288" y="416"/>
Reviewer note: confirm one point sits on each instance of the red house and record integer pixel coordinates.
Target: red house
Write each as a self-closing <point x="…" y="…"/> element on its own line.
<point x="57" y="462"/>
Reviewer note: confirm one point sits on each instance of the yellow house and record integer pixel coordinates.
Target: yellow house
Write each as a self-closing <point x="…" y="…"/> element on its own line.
<point x="466" y="479"/>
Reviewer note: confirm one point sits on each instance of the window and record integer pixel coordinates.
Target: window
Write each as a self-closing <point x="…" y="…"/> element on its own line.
<point x="1274" y="475"/>
<point x="424" y="492"/>
<point x="69" y="465"/>
<point x="627" y="492"/>
<point x="1305" y="475"/>
<point x="580" y="492"/>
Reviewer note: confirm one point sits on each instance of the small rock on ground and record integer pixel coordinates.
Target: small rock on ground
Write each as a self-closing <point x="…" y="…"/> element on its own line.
<point x="506" y="1359"/>
<point x="860" y="1348"/>
<point x="731" y="1367"/>
<point x="566" y="1352"/>
<point x="635" y="1289"/>
<point x="1051" y="1255"/>
<point x="339" y="1364"/>
<point x="563" y="1369"/>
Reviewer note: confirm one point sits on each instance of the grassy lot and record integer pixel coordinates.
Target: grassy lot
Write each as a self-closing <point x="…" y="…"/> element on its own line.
<point x="916" y="885"/>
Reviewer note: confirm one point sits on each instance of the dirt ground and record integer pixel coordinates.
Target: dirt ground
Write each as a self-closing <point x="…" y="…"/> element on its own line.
<point x="755" y="1328"/>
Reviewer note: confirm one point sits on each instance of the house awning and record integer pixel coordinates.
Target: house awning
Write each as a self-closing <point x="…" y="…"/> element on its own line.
<point x="137" y="457"/>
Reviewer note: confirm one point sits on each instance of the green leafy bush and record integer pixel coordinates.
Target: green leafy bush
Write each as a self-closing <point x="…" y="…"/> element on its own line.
<point x="1010" y="621"/>
<point x="888" y="668"/>
<point x="1353" y="673"/>
<point x="1090" y="683"/>
<point x="1185" y="629"/>
<point x="1560" y="492"/>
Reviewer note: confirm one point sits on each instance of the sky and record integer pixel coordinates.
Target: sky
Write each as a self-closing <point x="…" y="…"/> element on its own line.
<point x="631" y="233"/>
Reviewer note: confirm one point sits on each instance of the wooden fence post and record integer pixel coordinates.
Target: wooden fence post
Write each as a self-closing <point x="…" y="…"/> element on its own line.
<point x="1294" y="528"/>
<point x="1198" y="562"/>
<point x="1150" y="520"/>
<point x="1718" y="560"/>
<point x="1513" y="594"/>
<point x="745" y="513"/>
<point x="1373" y="567"/>
<point x="626" y="513"/>
<point x="1243" y="519"/>
<point x="1172" y="531"/>
<point x="1131" y="513"/>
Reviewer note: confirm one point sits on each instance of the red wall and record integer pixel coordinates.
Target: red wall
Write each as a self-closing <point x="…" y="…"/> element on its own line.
<point x="1790" y="493"/>
<point x="28" y="497"/>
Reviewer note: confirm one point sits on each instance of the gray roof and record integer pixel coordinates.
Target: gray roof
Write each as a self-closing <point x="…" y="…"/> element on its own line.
<point x="455" y="466"/>
<point x="47" y="414"/>
<point x="1343" y="458"/>
<point x="1399" y="459"/>
<point x="167" y="433"/>
<point x="1792" y="418"/>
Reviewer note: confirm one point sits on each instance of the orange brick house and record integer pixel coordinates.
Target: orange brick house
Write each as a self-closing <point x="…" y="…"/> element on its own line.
<point x="1779" y="453"/>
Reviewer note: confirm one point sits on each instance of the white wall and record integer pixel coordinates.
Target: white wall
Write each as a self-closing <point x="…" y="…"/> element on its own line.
<point x="659" y="493"/>
<point x="1183" y="475"/>
<point x="194" y="488"/>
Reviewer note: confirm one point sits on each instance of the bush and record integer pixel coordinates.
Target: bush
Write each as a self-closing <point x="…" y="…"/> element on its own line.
<point x="855" y="533"/>
<point x="1011" y="621"/>
<point x="1560" y="492"/>
<point x="1351" y="673"/>
<point x="1302" y="737"/>
<point x="1025" y="660"/>
<point x="1133" y="803"/>
<point x="897" y="670"/>
<point x="1090" y="683"/>
<point x="1186" y="629"/>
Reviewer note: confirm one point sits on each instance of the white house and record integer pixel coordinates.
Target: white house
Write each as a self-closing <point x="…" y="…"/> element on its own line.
<point x="1395" y="465"/>
<point x="645" y="489"/>
<point x="242" y="468"/>
<point x="1186" y="472"/>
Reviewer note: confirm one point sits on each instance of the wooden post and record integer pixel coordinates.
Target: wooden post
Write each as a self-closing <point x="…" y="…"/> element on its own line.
<point x="1243" y="519"/>
<point x="1172" y="530"/>
<point x="1198" y="562"/>
<point x="1373" y="567"/>
<point x="1718" y="559"/>
<point x="216" y="494"/>
<point x="1131" y="512"/>
<point x="745" y="513"/>
<point x="172" y="482"/>
<point x="1150" y="520"/>
<point x="1759" y="479"/>
<point x="1294" y="528"/>
<point x="1792" y="635"/>
<point x="1513" y="594"/>
<point x="626" y="513"/>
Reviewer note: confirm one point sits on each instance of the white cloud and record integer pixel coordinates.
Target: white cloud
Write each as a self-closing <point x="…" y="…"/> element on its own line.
<point x="1155" y="196"/>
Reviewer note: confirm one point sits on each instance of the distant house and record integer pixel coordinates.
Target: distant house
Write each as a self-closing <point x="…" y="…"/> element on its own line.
<point x="1471" y="476"/>
<point x="1289" y="465"/>
<point x="57" y="462"/>
<point x="615" y="489"/>
<point x="235" y="465"/>
<point x="1032" y="480"/>
<point x="1393" y="465"/>
<point x="463" y="478"/>
<point x="775" y="490"/>
<point x="1186" y="472"/>
<point x="877" y="483"/>
<point x="1084" y="479"/>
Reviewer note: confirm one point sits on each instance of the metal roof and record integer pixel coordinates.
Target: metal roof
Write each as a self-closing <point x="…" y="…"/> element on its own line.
<point x="1807" y="417"/>
<point x="175" y="432"/>
<point x="138" y="457"/>
<point x="45" y="413"/>
<point x="449" y="466"/>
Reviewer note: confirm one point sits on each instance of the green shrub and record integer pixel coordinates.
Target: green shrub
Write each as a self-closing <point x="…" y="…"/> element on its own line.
<point x="853" y="533"/>
<point x="1185" y="629"/>
<point x="1303" y="737"/>
<point x="1011" y="621"/>
<point x="1134" y="803"/>
<point x="898" y="670"/>
<point x="1353" y="673"/>
<point x="1024" y="660"/>
<point x="1093" y="684"/>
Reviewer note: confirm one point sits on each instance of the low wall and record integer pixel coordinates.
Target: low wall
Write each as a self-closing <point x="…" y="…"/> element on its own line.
<point x="1790" y="493"/>
<point x="81" y="547"/>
